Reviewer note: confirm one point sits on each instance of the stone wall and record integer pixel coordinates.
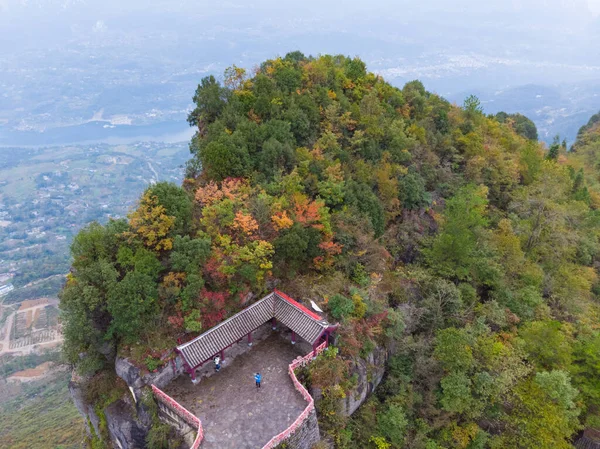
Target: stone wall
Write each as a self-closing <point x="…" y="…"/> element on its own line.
<point x="187" y="432"/>
<point x="306" y="436"/>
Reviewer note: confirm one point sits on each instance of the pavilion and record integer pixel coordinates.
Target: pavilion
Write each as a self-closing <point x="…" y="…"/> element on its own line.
<point x="276" y="307"/>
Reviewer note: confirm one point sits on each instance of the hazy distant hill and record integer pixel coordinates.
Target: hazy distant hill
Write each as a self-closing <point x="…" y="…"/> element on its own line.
<point x="129" y="64"/>
<point x="560" y="109"/>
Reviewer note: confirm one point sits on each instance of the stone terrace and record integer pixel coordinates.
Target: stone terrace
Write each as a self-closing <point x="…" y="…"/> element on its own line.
<point x="234" y="413"/>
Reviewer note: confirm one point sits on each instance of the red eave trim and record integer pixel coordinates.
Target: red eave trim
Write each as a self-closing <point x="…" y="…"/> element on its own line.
<point x="298" y="305"/>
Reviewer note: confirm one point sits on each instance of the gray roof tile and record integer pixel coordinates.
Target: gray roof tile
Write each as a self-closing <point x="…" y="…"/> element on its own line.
<point x="284" y="309"/>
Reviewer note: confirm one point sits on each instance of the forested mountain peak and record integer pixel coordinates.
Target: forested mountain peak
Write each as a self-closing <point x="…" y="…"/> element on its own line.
<point x="452" y="237"/>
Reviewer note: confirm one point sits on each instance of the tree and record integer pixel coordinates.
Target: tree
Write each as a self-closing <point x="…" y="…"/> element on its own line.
<point x="189" y="254"/>
<point x="151" y="224"/>
<point x="210" y="99"/>
<point x="132" y="305"/>
<point x="585" y="372"/>
<point x="340" y="306"/>
<point x="176" y="202"/>
<point x="297" y="247"/>
<point x="554" y="149"/>
<point x="84" y="303"/>
<point x="521" y="124"/>
<point x="472" y="106"/>
<point x="456" y="392"/>
<point x="543" y="414"/>
<point x="392" y="424"/>
<point x="453" y="348"/>
<point x="412" y="191"/>
<point x="227" y="156"/>
<point x="457" y="248"/>
<point x="547" y="344"/>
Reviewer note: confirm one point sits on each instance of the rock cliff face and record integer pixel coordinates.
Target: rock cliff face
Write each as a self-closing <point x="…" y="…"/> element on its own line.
<point x="126" y="421"/>
<point x="86" y="410"/>
<point x="370" y="372"/>
<point x="137" y="381"/>
<point x="124" y="429"/>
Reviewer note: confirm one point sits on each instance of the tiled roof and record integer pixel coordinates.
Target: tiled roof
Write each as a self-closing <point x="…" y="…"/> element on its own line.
<point x="295" y="316"/>
<point x="303" y="322"/>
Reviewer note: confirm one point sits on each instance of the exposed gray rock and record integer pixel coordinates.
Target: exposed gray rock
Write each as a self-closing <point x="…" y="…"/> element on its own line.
<point x="370" y="372"/>
<point x="85" y="410"/>
<point x="128" y="420"/>
<point x="133" y="377"/>
<point x="124" y="429"/>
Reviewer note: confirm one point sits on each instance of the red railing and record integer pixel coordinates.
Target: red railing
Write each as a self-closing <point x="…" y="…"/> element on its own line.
<point x="181" y="412"/>
<point x="300" y="361"/>
<point x="194" y="421"/>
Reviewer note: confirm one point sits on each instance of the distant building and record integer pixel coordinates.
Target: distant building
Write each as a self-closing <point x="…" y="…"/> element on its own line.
<point x="6" y="289"/>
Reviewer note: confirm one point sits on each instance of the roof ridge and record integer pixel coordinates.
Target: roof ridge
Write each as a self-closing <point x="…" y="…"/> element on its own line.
<point x="298" y="305"/>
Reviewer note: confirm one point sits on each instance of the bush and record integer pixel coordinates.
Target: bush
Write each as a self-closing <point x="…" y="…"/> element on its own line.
<point x="340" y="306"/>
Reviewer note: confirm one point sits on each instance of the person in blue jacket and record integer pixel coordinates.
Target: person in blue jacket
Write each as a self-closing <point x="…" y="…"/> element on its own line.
<point x="257" y="378"/>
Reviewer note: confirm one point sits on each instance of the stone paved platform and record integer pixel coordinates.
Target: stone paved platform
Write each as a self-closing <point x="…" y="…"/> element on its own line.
<point x="234" y="413"/>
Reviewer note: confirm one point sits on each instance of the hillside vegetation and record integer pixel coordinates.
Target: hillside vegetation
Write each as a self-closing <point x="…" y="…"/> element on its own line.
<point x="417" y="224"/>
<point x="40" y="415"/>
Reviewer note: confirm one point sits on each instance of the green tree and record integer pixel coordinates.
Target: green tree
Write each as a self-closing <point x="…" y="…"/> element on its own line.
<point x="132" y="302"/>
<point x="392" y="423"/>
<point x="189" y="254"/>
<point x="554" y="149"/>
<point x="340" y="306"/>
<point x="547" y="344"/>
<point x="543" y="414"/>
<point x="227" y="156"/>
<point x="176" y="202"/>
<point x="457" y="249"/>
<point x="585" y="372"/>
<point x="210" y="99"/>
<point x="472" y="106"/>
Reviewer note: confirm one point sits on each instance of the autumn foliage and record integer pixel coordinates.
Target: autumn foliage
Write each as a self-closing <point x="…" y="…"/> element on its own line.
<point x="451" y="246"/>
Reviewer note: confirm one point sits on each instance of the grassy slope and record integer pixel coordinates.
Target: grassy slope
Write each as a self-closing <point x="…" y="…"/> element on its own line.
<point x="41" y="416"/>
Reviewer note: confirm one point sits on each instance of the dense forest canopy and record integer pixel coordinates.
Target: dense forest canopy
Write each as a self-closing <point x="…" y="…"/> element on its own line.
<point x="451" y="237"/>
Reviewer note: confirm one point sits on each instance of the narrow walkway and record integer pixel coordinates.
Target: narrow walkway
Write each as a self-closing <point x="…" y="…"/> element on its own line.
<point x="234" y="413"/>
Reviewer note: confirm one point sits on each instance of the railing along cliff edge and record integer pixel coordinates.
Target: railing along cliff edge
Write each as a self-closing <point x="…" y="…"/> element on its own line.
<point x="194" y="421"/>
<point x="181" y="412"/>
<point x="300" y="361"/>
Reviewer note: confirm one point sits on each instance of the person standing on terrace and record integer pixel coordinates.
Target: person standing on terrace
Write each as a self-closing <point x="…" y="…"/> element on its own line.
<point x="257" y="378"/>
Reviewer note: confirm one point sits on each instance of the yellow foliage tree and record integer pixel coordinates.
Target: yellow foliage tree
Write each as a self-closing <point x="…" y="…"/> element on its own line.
<point x="151" y="224"/>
